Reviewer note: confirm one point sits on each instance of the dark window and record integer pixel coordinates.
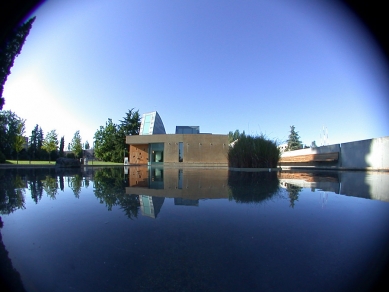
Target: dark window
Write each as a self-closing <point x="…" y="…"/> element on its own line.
<point x="180" y="151"/>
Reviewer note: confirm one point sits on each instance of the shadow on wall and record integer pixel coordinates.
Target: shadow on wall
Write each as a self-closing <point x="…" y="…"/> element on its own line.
<point x="372" y="153"/>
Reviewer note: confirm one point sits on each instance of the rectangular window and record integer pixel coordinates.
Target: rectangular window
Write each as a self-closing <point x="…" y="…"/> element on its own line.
<point x="180" y="151"/>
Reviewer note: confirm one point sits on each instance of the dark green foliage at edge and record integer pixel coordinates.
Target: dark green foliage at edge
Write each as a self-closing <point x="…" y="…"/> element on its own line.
<point x="9" y="51"/>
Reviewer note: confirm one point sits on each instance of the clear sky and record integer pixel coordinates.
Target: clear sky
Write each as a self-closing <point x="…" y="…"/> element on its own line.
<point x="257" y="66"/>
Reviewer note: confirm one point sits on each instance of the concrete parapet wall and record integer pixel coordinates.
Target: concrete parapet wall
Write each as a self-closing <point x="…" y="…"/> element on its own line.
<point x="370" y="154"/>
<point x="317" y="150"/>
<point x="373" y="153"/>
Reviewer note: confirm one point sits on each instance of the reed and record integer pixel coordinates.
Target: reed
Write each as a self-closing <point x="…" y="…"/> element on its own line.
<point x="254" y="152"/>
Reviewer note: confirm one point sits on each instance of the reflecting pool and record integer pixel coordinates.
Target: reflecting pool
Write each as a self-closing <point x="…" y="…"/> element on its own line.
<point x="192" y="229"/>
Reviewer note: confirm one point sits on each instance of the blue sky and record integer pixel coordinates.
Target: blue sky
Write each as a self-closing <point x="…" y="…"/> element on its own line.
<point x="257" y="66"/>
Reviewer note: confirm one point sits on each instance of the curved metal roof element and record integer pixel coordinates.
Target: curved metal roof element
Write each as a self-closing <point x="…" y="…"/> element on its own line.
<point x="151" y="124"/>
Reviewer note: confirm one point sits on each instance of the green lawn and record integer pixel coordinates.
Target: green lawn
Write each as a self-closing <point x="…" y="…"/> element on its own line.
<point x="23" y="162"/>
<point x="28" y="162"/>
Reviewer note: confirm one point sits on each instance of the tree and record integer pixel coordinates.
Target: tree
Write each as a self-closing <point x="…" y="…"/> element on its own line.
<point x="9" y="127"/>
<point x="19" y="140"/>
<point x="294" y="142"/>
<point x="76" y="145"/>
<point x="61" y="146"/>
<point x="110" y="141"/>
<point x="34" y="142"/>
<point x="106" y="143"/>
<point x="50" y="144"/>
<point x="11" y="49"/>
<point x="130" y="124"/>
<point x="87" y="145"/>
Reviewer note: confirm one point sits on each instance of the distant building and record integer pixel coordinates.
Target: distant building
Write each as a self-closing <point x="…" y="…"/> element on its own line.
<point x="187" y="146"/>
<point x="283" y="147"/>
<point x="187" y="130"/>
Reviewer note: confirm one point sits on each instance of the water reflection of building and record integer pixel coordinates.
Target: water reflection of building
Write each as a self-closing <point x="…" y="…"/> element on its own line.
<point x="185" y="202"/>
<point x="362" y="184"/>
<point x="150" y="206"/>
<point x="186" y="184"/>
<point x="327" y="181"/>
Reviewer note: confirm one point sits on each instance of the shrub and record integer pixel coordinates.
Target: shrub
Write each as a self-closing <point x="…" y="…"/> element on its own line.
<point x="70" y="155"/>
<point x="254" y="152"/>
<point x="2" y="157"/>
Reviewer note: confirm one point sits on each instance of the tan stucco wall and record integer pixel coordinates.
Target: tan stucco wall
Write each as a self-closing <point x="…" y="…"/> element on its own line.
<point x="198" y="148"/>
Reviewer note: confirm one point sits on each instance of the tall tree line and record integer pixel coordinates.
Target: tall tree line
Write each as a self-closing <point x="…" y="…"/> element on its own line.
<point x="14" y="145"/>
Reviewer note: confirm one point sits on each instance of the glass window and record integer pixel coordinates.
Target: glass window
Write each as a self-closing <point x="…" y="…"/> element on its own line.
<point x="146" y="125"/>
<point x="156" y="152"/>
<point x="180" y="151"/>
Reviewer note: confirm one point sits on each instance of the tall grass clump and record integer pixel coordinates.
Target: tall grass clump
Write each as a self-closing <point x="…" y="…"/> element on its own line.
<point x="254" y="152"/>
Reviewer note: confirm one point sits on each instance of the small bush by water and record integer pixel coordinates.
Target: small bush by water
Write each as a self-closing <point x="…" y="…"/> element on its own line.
<point x="254" y="152"/>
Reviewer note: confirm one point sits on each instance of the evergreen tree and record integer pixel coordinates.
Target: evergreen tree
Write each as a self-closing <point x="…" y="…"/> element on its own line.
<point x="76" y="145"/>
<point x="61" y="146"/>
<point x="294" y="142"/>
<point x="87" y="145"/>
<point x="293" y="193"/>
<point x="130" y="124"/>
<point x="11" y="49"/>
<point x="40" y="138"/>
<point x="33" y="142"/>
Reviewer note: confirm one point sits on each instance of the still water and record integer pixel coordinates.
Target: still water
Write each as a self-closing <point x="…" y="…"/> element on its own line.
<point x="140" y="229"/>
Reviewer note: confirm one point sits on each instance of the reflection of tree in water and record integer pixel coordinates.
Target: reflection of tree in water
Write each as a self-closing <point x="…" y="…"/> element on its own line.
<point x="252" y="187"/>
<point x="11" y="192"/>
<point x="61" y="183"/>
<point x="110" y="188"/>
<point x="36" y="189"/>
<point x="129" y="204"/>
<point x="35" y="178"/>
<point x="50" y="185"/>
<point x="293" y="191"/>
<point x="9" y="277"/>
<point x="75" y="183"/>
